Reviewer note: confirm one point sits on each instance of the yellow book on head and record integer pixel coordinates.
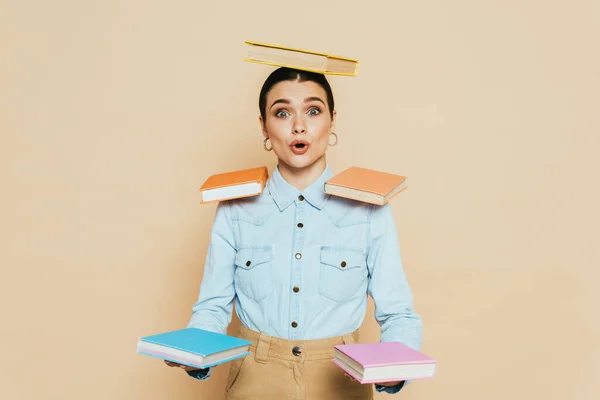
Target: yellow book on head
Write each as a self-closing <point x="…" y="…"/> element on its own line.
<point x="282" y="56"/>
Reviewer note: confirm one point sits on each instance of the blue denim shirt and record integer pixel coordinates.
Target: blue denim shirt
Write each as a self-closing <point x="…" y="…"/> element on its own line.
<point x="299" y="266"/>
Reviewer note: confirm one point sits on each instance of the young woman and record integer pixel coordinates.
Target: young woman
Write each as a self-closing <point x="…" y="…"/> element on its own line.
<point x="299" y="263"/>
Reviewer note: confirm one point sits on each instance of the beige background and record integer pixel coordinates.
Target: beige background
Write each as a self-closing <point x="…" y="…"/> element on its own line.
<point x="113" y="113"/>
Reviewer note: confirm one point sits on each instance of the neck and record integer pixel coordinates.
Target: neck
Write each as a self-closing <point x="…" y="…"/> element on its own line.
<point x="301" y="178"/>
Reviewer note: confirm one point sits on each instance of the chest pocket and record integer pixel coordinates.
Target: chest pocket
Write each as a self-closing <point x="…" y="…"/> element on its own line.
<point x="253" y="273"/>
<point x="343" y="273"/>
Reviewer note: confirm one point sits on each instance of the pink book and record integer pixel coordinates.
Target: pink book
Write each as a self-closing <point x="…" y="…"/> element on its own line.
<point x="383" y="362"/>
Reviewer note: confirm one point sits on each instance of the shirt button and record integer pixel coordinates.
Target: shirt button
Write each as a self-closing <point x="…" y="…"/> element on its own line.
<point x="296" y="351"/>
<point x="294" y="324"/>
<point x="343" y="264"/>
<point x="296" y="289"/>
<point x="298" y="256"/>
<point x="248" y="263"/>
<point x="301" y="198"/>
<point x="300" y="225"/>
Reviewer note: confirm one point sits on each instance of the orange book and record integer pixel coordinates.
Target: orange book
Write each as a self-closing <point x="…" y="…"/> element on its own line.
<point x="366" y="185"/>
<point x="283" y="56"/>
<point x="234" y="184"/>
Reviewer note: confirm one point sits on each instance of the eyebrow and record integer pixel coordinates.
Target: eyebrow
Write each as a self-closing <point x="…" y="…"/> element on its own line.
<point x="306" y="100"/>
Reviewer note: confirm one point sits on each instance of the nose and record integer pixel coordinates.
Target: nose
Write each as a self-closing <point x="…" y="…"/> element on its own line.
<point x="299" y="126"/>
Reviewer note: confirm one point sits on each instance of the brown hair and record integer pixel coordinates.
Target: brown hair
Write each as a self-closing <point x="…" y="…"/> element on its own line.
<point x="290" y="74"/>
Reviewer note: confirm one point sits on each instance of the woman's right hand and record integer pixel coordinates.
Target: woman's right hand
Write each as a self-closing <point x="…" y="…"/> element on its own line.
<point x="185" y="367"/>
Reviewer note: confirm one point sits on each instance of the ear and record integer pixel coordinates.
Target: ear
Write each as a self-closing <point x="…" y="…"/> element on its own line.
<point x="263" y="127"/>
<point x="333" y="121"/>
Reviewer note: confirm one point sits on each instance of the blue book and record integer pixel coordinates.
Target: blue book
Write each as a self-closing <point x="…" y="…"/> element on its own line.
<point x="194" y="347"/>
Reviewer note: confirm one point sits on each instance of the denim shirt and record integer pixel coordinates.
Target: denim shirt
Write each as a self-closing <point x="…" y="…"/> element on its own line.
<point x="300" y="264"/>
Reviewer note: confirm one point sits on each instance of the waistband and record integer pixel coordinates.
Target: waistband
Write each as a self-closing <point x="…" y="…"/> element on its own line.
<point x="264" y="346"/>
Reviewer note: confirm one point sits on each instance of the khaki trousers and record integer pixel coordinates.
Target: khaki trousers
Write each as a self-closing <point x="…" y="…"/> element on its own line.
<point x="279" y="369"/>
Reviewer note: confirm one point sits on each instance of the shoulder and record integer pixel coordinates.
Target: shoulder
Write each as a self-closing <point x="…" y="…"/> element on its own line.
<point x="345" y="212"/>
<point x="254" y="209"/>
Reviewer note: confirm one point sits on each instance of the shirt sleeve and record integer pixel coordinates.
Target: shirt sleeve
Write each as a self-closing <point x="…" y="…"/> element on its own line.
<point x="389" y="389"/>
<point x="213" y="309"/>
<point x="388" y="285"/>
<point x="200" y="374"/>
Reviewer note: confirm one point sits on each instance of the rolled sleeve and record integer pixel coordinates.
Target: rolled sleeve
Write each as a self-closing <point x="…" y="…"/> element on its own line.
<point x="200" y="374"/>
<point x="389" y="389"/>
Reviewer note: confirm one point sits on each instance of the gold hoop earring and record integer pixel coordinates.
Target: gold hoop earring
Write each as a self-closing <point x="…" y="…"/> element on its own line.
<point x="336" y="139"/>
<point x="265" y="145"/>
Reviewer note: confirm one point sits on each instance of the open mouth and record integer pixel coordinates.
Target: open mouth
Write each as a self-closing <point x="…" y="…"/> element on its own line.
<point x="299" y="144"/>
<point x="299" y="147"/>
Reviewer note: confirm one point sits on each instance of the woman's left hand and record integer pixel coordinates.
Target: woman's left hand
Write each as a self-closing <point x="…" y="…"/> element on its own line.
<point x="378" y="383"/>
<point x="389" y="383"/>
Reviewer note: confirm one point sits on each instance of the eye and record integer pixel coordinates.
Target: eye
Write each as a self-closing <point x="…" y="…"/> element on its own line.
<point x="282" y="114"/>
<point x="314" y="111"/>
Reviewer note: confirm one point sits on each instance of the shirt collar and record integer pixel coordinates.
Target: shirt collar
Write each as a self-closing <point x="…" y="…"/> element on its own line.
<point x="284" y="194"/>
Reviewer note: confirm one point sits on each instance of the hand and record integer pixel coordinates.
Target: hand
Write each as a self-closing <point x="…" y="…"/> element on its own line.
<point x="185" y="367"/>
<point x="349" y="377"/>
<point x="394" y="383"/>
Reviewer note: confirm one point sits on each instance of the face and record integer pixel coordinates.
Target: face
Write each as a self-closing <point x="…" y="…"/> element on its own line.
<point x="298" y="122"/>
